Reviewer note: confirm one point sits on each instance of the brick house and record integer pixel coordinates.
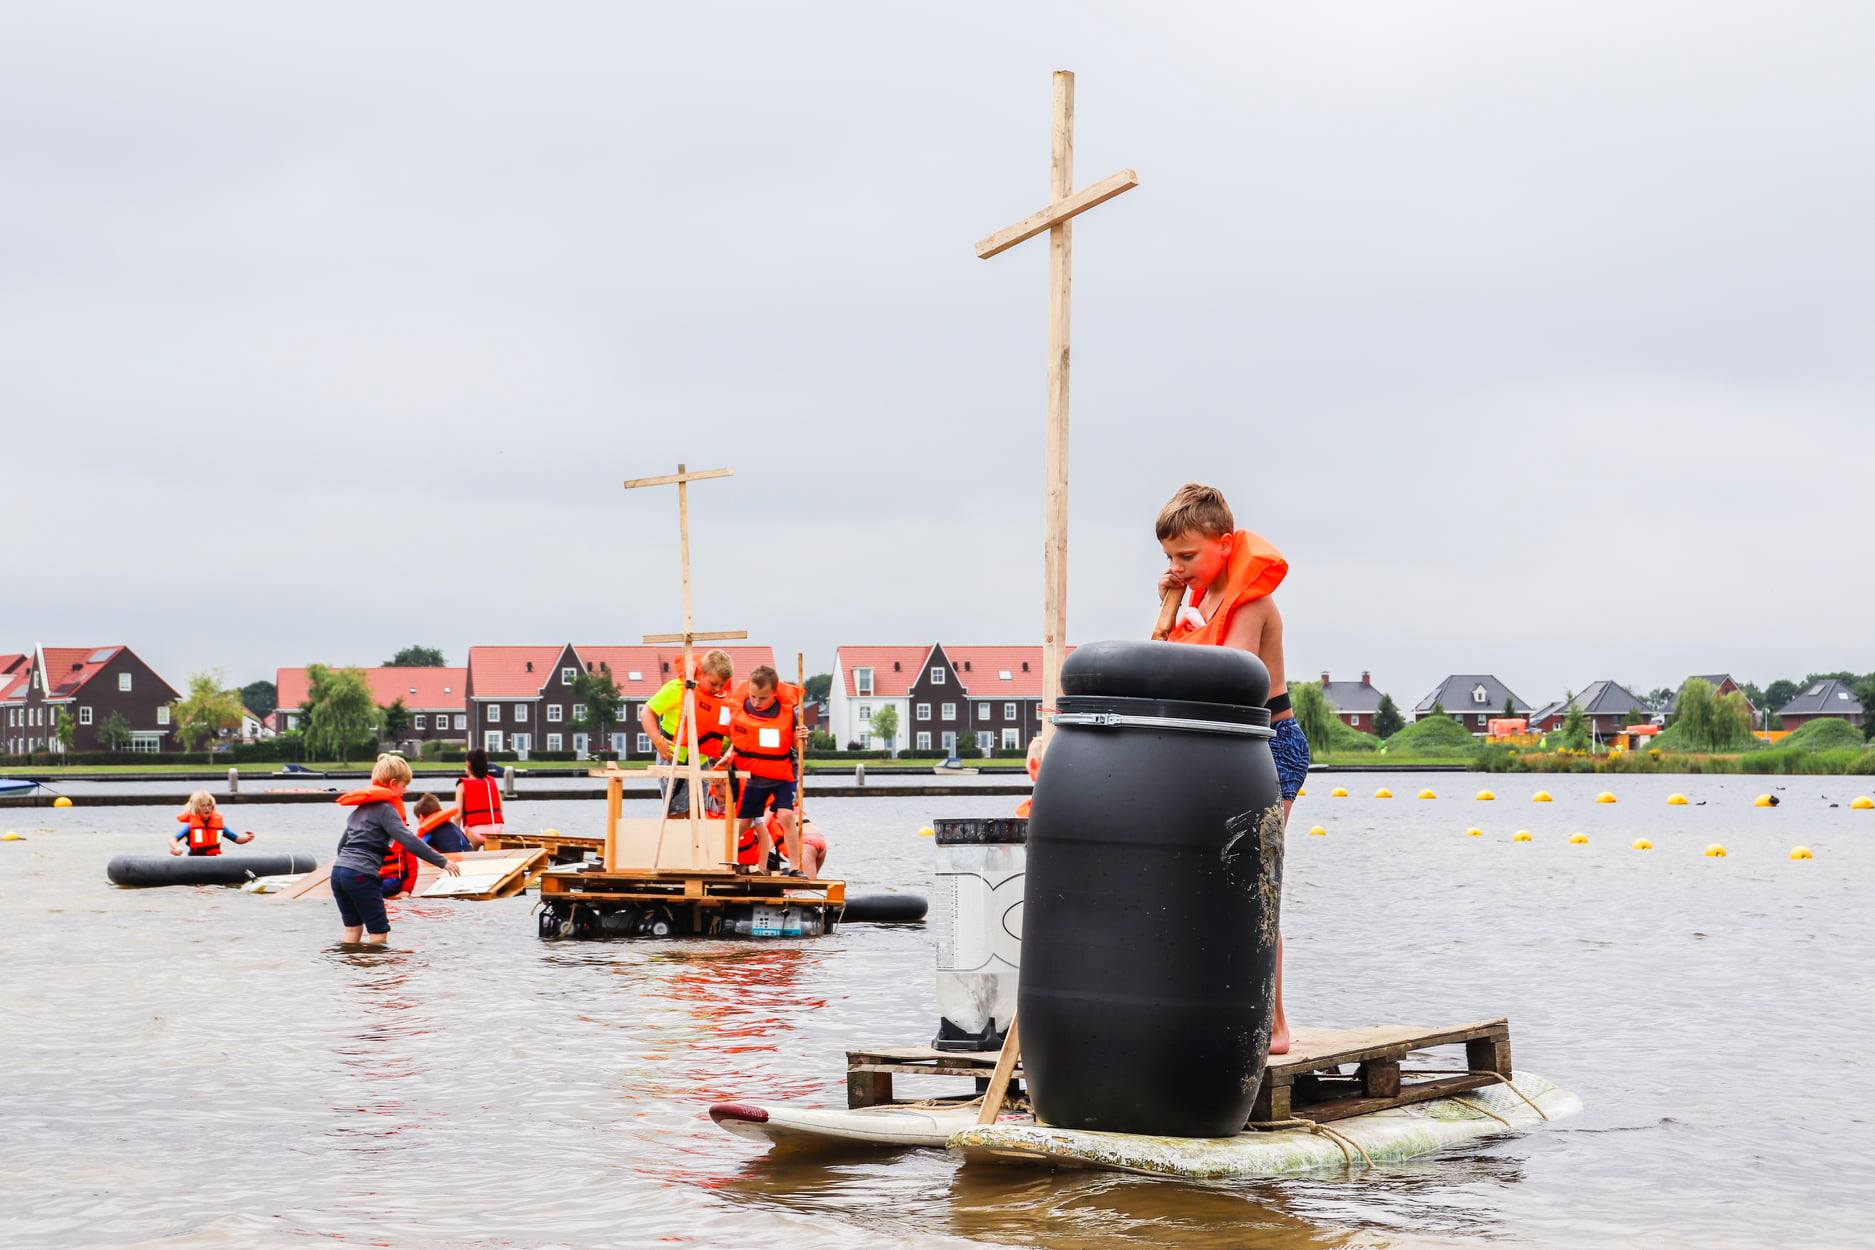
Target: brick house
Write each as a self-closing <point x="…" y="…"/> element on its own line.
<point x="1721" y="683"/>
<point x="436" y="698"/>
<point x="1471" y="699"/>
<point x="1609" y="706"/>
<point x="92" y="684"/>
<point x="942" y="694"/>
<point x="1355" y="703"/>
<point x="1830" y="698"/>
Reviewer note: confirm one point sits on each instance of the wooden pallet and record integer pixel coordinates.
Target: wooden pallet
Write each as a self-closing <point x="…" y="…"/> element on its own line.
<point x="704" y="887"/>
<point x="1307" y="1083"/>
<point x="561" y="848"/>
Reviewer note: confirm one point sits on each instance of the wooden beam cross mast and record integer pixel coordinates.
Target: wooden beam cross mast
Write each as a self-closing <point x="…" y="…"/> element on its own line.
<point x="1065" y="204"/>
<point x="691" y="771"/>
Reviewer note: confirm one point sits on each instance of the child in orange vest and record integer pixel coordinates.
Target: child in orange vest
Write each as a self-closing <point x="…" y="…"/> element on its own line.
<point x="437" y="825"/>
<point x="374" y="833"/>
<point x="203" y="827"/>
<point x="763" y="740"/>
<point x="1227" y="576"/>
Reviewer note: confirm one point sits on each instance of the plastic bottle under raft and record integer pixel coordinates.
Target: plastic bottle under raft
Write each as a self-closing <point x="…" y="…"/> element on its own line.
<point x="1152" y="894"/>
<point x="977" y="926"/>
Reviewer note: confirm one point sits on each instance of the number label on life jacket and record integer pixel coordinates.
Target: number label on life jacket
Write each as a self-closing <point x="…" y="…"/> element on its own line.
<point x="767" y="738"/>
<point x="722" y="715"/>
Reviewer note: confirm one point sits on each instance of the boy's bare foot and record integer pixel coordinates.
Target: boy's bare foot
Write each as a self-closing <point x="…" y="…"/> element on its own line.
<point x="1279" y="1038"/>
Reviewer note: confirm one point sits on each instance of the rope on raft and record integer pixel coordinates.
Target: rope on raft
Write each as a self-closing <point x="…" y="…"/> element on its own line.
<point x="1324" y="1130"/>
<point x="1500" y="1077"/>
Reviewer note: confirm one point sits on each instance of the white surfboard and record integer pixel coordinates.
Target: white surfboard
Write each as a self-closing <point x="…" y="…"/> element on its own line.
<point x="927" y="1126"/>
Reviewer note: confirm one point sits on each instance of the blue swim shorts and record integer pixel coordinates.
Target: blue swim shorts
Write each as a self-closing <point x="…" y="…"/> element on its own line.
<point x="1291" y="751"/>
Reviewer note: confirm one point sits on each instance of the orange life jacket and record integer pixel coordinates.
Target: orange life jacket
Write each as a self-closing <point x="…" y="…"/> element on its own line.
<point x="399" y="861"/>
<point x="481" y="801"/>
<point x="764" y="741"/>
<point x="1254" y="570"/>
<point x="713" y="721"/>
<point x="204" y="835"/>
<point x="750" y="844"/>
<point x="435" y="819"/>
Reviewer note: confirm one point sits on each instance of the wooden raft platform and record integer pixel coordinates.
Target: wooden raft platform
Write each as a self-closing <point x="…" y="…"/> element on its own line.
<point x="485" y="875"/>
<point x="561" y="848"/>
<point x="700" y="886"/>
<point x="1307" y="1083"/>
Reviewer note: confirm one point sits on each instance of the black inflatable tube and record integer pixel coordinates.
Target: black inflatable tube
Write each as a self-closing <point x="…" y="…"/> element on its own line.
<point x="883" y="909"/>
<point x="203" y="869"/>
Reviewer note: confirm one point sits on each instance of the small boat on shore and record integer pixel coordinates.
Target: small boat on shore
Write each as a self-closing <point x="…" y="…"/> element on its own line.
<point x="954" y="767"/>
<point x="14" y="786"/>
<point x="296" y="770"/>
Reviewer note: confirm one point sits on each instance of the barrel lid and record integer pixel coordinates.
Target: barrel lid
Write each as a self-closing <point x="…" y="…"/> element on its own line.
<point x="1167" y="670"/>
<point x="981" y="831"/>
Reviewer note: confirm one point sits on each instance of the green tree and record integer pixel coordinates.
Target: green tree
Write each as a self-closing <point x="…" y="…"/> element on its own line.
<point x="260" y="697"/>
<point x="1315" y="716"/>
<point x="1778" y="693"/>
<point x="64" y="728"/>
<point x="1388" y="721"/>
<point x="885" y="726"/>
<point x="114" y="733"/>
<point x="967" y="748"/>
<point x="1575" y="726"/>
<point x="1510" y="708"/>
<point x="1658" y="698"/>
<point x="821" y="740"/>
<point x="1438" y="708"/>
<point x="394" y="720"/>
<point x="599" y="696"/>
<point x="418" y="657"/>
<point x="819" y="686"/>
<point x="339" y="712"/>
<point x="207" y="710"/>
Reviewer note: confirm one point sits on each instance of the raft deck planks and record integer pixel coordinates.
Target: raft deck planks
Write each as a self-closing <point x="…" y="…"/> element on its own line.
<point x="561" y="848"/>
<point x="1306" y="1083"/>
<point x="704" y="887"/>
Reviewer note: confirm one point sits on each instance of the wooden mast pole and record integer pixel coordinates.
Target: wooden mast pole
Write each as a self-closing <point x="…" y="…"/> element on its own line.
<point x="1055" y="501"/>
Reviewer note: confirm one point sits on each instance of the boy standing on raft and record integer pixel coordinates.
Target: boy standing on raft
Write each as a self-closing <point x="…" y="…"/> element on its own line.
<point x="662" y="720"/>
<point x="375" y="827"/>
<point x="763" y="741"/>
<point x="1227" y="576"/>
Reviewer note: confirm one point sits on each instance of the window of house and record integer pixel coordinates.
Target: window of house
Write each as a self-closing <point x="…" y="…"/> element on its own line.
<point x="644" y="744"/>
<point x="494" y="713"/>
<point x="986" y="741"/>
<point x="580" y="742"/>
<point x="862" y="682"/>
<point x="522" y="742"/>
<point x="520" y="713"/>
<point x="553" y="742"/>
<point x="1481" y="718"/>
<point x="553" y="712"/>
<point x="579" y="711"/>
<point x="949" y="712"/>
<point x="419" y="721"/>
<point x="1012" y="737"/>
<point x="865" y="711"/>
<point x="618" y="744"/>
<point x="568" y="676"/>
<point x="84" y="716"/>
<point x="462" y="720"/>
<point x="1003" y="674"/>
<point x="162" y="714"/>
<point x="123" y="681"/>
<point x="924" y="711"/>
<point x="950" y="743"/>
<point x="1479" y="694"/>
<point x="983" y="711"/>
<point x="1009" y="711"/>
<point x="924" y="741"/>
<point x="1354" y="720"/>
<point x="491" y="740"/>
<point x="634" y="675"/>
<point x="937" y="676"/>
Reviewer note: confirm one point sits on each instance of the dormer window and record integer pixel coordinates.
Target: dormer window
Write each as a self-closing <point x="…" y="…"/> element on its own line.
<point x="530" y="666"/>
<point x="862" y="682"/>
<point x="937" y="676"/>
<point x="1479" y="694"/>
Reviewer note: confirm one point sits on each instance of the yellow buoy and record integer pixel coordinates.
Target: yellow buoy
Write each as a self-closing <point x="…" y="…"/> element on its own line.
<point x="1541" y="796"/>
<point x="1427" y="794"/>
<point x="1577" y="839"/>
<point x="1604" y="797"/>
<point x="1863" y="803"/>
<point x="1763" y="800"/>
<point x="1339" y="792"/>
<point x="927" y="832"/>
<point x="1715" y="851"/>
<point x="61" y="801"/>
<point x="1318" y="832"/>
<point x="1639" y="844"/>
<point x="1485" y="795"/>
<point x="1522" y="835"/>
<point x="10" y="836"/>
<point x="1474" y="832"/>
<point x="1801" y="852"/>
<point x="1676" y="800"/>
<point x="1383" y="793"/>
<point x="1301" y="791"/>
<point x="549" y="833"/>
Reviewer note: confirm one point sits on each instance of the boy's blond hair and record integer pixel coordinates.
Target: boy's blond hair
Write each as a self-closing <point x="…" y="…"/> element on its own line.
<point x="200" y="802"/>
<point x="763" y="677"/>
<point x="428" y="805"/>
<point x="390" y="768"/>
<point x="718" y="664"/>
<point x="1195" y="509"/>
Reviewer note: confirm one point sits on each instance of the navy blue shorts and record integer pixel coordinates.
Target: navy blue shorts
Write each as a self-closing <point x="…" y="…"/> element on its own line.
<point x="756" y="792"/>
<point x="360" y="899"/>
<point x="1291" y="751"/>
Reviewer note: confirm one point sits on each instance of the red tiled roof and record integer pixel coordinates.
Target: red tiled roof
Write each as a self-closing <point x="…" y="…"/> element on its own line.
<point x="13" y="676"/>
<point x="746" y="659"/>
<point x="502" y="672"/>
<point x="886" y="683"/>
<point x="624" y="661"/>
<point x="67" y="669"/>
<point x="984" y="678"/>
<point x="421" y="689"/>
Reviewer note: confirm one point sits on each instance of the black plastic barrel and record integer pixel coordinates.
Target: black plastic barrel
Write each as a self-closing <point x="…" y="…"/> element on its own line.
<point x="1153" y="891"/>
<point x="148" y="870"/>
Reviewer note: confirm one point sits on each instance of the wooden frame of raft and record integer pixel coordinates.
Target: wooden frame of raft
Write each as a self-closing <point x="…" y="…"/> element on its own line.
<point x="1307" y="1083"/>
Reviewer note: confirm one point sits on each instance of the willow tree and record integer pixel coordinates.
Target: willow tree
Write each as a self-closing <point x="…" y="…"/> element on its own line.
<point x="1708" y="722"/>
<point x="205" y="712"/>
<point x="1314" y="715"/>
<point x="339" y="712"/>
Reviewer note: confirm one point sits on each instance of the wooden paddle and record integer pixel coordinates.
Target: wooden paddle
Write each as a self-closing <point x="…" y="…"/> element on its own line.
<point x="1168" y="612"/>
<point x="800" y="722"/>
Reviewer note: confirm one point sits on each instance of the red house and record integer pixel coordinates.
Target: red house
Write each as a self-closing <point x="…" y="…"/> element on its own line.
<point x="91" y="685"/>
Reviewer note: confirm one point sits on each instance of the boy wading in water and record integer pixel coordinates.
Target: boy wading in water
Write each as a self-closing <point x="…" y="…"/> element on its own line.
<point x="1227" y="576"/>
<point x="375" y="826"/>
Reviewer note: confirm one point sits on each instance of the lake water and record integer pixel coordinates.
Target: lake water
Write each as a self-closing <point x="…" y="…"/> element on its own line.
<point x="204" y="1068"/>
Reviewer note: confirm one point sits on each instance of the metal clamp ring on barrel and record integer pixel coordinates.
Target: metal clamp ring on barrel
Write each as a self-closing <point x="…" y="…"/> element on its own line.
<point x="1120" y="720"/>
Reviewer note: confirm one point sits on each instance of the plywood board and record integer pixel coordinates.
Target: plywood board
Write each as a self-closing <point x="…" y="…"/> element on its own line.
<point x="485" y="875"/>
<point x="687" y="847"/>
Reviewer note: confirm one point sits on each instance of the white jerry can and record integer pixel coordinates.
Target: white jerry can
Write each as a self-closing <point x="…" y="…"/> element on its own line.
<point x="977" y="916"/>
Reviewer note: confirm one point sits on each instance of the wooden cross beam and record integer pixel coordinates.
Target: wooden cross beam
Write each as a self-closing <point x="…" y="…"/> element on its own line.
<point x="691" y="771"/>
<point x="1065" y="204"/>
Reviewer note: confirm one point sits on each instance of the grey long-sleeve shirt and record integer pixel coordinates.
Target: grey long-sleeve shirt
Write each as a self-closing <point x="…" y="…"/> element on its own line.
<point x="368" y="834"/>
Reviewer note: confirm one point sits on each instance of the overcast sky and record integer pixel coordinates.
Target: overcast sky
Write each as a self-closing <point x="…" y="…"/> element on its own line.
<point x="1538" y="336"/>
